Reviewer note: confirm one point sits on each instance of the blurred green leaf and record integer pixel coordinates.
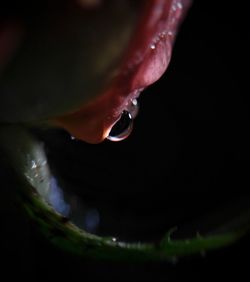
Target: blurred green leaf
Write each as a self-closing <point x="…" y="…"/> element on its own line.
<point x="34" y="180"/>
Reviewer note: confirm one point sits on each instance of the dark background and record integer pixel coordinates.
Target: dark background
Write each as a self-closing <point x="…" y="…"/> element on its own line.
<point x="186" y="164"/>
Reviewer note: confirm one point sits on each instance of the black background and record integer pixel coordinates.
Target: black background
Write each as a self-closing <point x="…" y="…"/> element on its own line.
<point x="190" y="146"/>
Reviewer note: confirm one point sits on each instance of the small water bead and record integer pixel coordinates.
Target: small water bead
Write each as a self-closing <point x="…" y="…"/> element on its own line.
<point x="170" y="33"/>
<point x="162" y="35"/>
<point x="133" y="108"/>
<point x="179" y="5"/>
<point x="152" y="46"/>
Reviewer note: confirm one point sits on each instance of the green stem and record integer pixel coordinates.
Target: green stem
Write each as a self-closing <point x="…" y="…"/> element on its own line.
<point x="22" y="150"/>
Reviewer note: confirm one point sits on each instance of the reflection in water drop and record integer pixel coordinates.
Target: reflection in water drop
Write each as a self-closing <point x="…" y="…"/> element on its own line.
<point x="133" y="108"/>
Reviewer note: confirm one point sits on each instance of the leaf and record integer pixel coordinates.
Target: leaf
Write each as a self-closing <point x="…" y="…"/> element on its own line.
<point x="33" y="180"/>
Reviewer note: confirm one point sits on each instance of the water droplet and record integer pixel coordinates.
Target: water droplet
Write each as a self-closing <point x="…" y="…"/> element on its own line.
<point x="133" y="108"/>
<point x="134" y="102"/>
<point x="122" y="128"/>
<point x="162" y="35"/>
<point x="179" y="5"/>
<point x="152" y="46"/>
<point x="33" y="165"/>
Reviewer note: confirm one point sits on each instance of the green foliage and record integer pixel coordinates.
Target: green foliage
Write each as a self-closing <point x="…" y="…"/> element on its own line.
<point x="33" y="180"/>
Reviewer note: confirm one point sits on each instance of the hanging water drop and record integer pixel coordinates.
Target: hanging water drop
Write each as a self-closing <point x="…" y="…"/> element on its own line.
<point x="122" y="129"/>
<point x="152" y="46"/>
<point x="133" y="108"/>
